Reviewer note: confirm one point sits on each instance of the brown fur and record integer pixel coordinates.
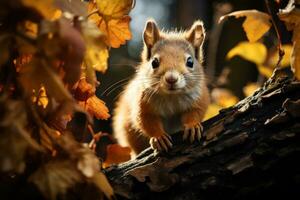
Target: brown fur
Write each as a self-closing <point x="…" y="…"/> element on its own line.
<point x="142" y="113"/>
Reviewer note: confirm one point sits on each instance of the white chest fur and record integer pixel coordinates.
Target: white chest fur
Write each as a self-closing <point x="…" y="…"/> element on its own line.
<point x="171" y="106"/>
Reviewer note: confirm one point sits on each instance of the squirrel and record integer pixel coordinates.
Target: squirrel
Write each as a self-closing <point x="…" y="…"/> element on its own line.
<point x="168" y="92"/>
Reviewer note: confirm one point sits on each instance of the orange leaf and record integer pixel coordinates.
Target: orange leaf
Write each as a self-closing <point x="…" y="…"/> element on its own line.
<point x="113" y="20"/>
<point x="114" y="8"/>
<point x="96" y="107"/>
<point x="83" y="90"/>
<point x="116" y="154"/>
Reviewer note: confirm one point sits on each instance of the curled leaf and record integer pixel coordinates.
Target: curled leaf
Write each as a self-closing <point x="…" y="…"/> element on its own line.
<point x="291" y="16"/>
<point x="83" y="90"/>
<point x="255" y="25"/>
<point x="96" y="107"/>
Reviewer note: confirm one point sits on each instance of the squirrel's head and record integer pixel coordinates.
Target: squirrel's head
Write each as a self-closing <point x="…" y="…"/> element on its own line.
<point x="172" y="60"/>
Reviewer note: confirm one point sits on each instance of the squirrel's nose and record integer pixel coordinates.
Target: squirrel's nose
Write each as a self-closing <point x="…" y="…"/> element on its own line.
<point x="171" y="79"/>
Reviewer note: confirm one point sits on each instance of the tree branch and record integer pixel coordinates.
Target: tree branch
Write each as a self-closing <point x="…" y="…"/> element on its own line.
<point x="250" y="151"/>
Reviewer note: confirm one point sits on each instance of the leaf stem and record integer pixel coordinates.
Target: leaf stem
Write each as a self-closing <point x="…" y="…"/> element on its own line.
<point x="92" y="13"/>
<point x="280" y="50"/>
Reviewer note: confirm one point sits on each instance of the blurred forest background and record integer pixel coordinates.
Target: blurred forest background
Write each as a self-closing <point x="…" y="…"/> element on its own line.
<point x="232" y="75"/>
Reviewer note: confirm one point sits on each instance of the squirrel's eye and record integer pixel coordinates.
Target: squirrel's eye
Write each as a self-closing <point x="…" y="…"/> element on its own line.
<point x="155" y="63"/>
<point x="189" y="62"/>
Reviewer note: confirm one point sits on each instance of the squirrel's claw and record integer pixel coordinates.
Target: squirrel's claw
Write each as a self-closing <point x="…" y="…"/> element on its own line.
<point x="193" y="133"/>
<point x="162" y="143"/>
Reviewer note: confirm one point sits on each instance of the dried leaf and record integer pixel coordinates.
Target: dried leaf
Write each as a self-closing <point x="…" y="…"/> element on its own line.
<point x="96" y="51"/>
<point x="255" y="25"/>
<point x="56" y="177"/>
<point x="15" y="140"/>
<point x="114" y="8"/>
<point x="96" y="107"/>
<point x="31" y="28"/>
<point x="97" y="57"/>
<point x="291" y="16"/>
<point x="254" y="52"/>
<point x="113" y="20"/>
<point x="38" y="73"/>
<point x="272" y="61"/>
<point x="117" y="31"/>
<point x="116" y="154"/>
<point x="41" y="98"/>
<point x="83" y="90"/>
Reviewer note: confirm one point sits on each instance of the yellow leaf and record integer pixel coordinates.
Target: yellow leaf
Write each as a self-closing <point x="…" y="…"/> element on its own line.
<point x="223" y="97"/>
<point x="255" y="25"/>
<point x="96" y="57"/>
<point x="113" y="20"/>
<point x="102" y="183"/>
<point x="250" y="88"/>
<point x="96" y="51"/>
<point x="46" y="7"/>
<point x="266" y="71"/>
<point x="291" y="16"/>
<point x="255" y="52"/>
<point x="41" y="98"/>
<point x="212" y="110"/>
<point x="286" y="58"/>
<point x="31" y="28"/>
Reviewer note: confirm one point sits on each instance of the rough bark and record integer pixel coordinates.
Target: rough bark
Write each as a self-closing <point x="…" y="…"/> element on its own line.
<point x="251" y="150"/>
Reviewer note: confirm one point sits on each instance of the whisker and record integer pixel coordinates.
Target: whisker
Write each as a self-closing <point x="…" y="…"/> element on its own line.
<point x="111" y="86"/>
<point x="113" y="89"/>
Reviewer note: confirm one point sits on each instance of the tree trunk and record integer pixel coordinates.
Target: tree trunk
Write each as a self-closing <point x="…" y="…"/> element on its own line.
<point x="251" y="151"/>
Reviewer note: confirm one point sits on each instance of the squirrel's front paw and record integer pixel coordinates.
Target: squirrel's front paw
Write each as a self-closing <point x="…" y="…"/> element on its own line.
<point x="193" y="132"/>
<point x="161" y="143"/>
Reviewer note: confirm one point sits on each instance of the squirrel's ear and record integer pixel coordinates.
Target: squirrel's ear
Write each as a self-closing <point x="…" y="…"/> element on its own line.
<point x="196" y="34"/>
<point x="151" y="34"/>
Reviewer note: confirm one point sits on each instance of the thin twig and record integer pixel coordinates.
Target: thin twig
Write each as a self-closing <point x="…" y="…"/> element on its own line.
<point x="92" y="13"/>
<point x="280" y="50"/>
